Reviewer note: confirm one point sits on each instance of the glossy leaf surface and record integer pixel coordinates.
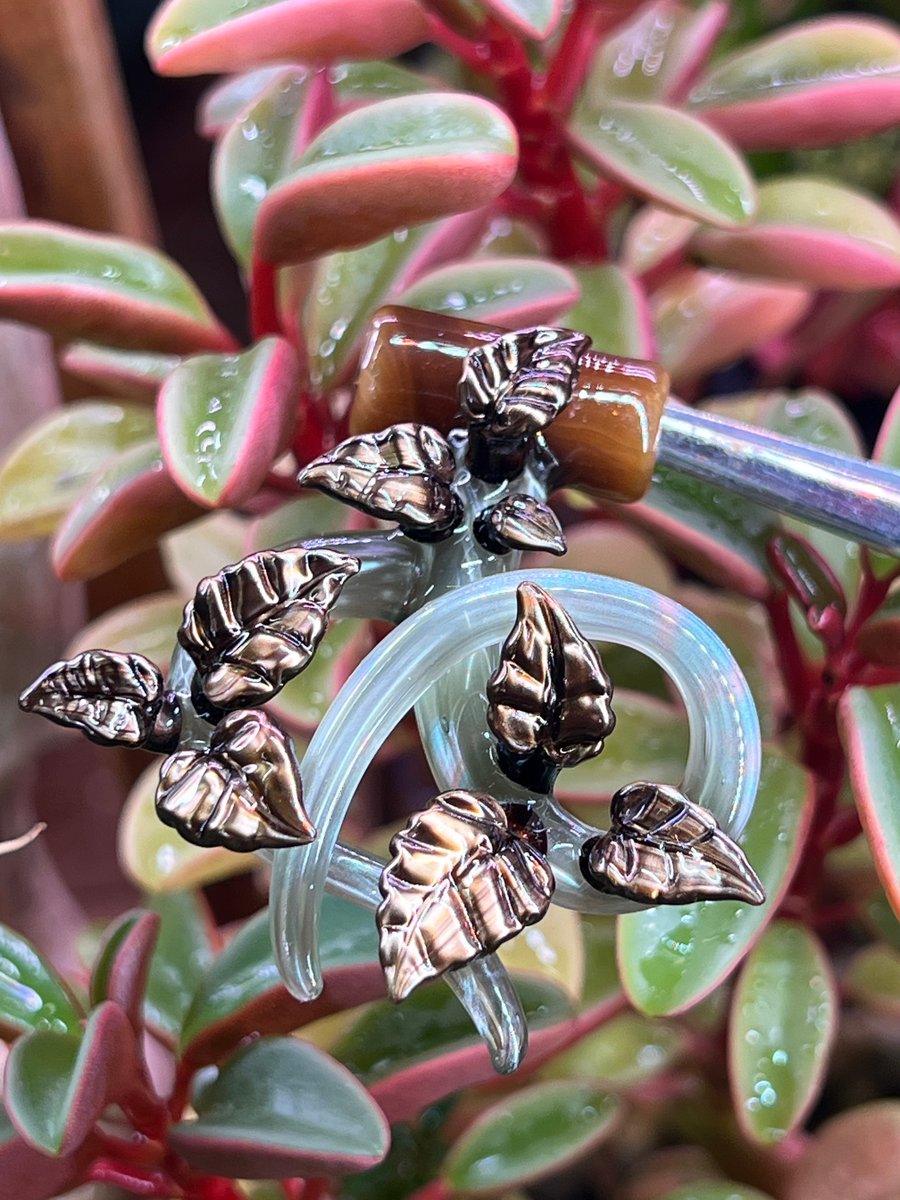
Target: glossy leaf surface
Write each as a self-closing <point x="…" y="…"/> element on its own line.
<point x="654" y="236"/>
<point x="870" y="728"/>
<point x="44" y="472"/>
<point x="122" y="511"/>
<point x="537" y="1130"/>
<point x="812" y="231"/>
<point x="612" y="311"/>
<point x="417" y="158"/>
<point x="133" y="374"/>
<point x="780" y="1032"/>
<point x="281" y="1108"/>
<point x="815" y="84"/>
<point x="669" y="157"/>
<point x="510" y="292"/>
<point x="32" y="995"/>
<point x="671" y="957"/>
<point x="88" y="285"/>
<point x="196" y="37"/>
<point x="223" y="420"/>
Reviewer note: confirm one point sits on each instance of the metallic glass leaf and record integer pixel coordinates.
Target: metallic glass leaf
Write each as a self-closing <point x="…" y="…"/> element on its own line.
<point x="519" y="522"/>
<point x="402" y="474"/>
<point x="550" y="695"/>
<point x="664" y="849"/>
<point x="114" y="699"/>
<point x="462" y="880"/>
<point x="257" y="624"/>
<point x="243" y="792"/>
<point x="516" y="384"/>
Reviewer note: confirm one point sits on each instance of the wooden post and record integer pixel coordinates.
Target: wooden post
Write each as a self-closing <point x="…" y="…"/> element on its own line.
<point x="67" y="118"/>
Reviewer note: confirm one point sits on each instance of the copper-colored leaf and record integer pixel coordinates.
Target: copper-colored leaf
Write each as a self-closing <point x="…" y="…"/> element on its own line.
<point x="114" y="699"/>
<point x="257" y="624"/>
<point x="549" y="701"/>
<point x="402" y="474"/>
<point x="519" y="522"/>
<point x="243" y="792"/>
<point x="463" y="879"/>
<point x="664" y="849"/>
<point x="516" y="384"/>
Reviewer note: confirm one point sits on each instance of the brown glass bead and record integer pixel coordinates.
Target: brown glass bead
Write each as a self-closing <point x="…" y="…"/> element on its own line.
<point x="605" y="440"/>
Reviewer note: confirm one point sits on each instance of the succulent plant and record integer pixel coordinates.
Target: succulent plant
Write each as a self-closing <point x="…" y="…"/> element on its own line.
<point x="676" y="182"/>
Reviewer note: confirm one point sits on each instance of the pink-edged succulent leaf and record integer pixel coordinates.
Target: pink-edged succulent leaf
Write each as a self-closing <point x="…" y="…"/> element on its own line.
<point x="811" y="583"/>
<point x="44" y="472"/>
<point x="228" y="99"/>
<point x="413" y="158"/>
<point x="870" y="729"/>
<point x="669" y="156"/>
<point x="223" y="419"/>
<point x="655" y="237"/>
<point x="146" y="626"/>
<point x="812" y="231"/>
<point x="706" y="319"/>
<point x="337" y="296"/>
<point x="27" y="1174"/>
<point x="242" y="991"/>
<point x="669" y="963"/>
<point x="132" y="374"/>
<point x="122" y="511"/>
<point x="88" y="285"/>
<point x="510" y="292"/>
<point x="855" y="1153"/>
<point x="198" y="37"/>
<point x="538" y="1130"/>
<point x="780" y="1031"/>
<point x="537" y="19"/>
<point x="184" y="950"/>
<point x="281" y="1108"/>
<point x="56" y="1085"/>
<point x="818" y="83"/>
<point x="32" y="994"/>
<point x="658" y="53"/>
<point x="122" y="965"/>
<point x="612" y="311"/>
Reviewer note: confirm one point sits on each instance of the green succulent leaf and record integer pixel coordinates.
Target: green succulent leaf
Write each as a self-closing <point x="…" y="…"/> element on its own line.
<point x="612" y="312"/>
<point x="281" y="1108"/>
<point x="530" y="1134"/>
<point x="45" y="471"/>
<point x="873" y="979"/>
<point x="513" y="292"/>
<point x="671" y="956"/>
<point x="129" y="374"/>
<point x="146" y="626"/>
<point x="184" y="951"/>
<point x="624" y="1052"/>
<point x="716" y="1190"/>
<point x="780" y="1031"/>
<point x="529" y="18"/>
<point x="32" y="995"/>
<point x="668" y="156"/>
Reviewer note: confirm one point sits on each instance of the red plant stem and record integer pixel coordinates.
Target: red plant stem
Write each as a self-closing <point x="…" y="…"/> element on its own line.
<point x="264" y="319"/>
<point x="572" y="60"/>
<point x="181" y="1090"/>
<point x="133" y="1179"/>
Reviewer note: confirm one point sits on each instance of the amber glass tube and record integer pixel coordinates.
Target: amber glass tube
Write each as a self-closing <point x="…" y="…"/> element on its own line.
<point x="605" y="441"/>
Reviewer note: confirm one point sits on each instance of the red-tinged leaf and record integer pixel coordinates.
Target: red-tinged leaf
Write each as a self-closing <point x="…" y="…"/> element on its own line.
<point x="540" y="1129"/>
<point x="26" y="1173"/>
<point x="653" y="237"/>
<point x="123" y="510"/>
<point x="537" y="19"/>
<point x="133" y="374"/>
<point x="146" y="626"/>
<point x="184" y="950"/>
<point x="668" y="156"/>
<point x="510" y="292"/>
<point x="818" y="83"/>
<point x="105" y="289"/>
<point x="223" y="419"/>
<point x="199" y="37"/>
<point x="658" y="53"/>
<point x="242" y="992"/>
<point x="282" y="1108"/>
<point x="46" y="469"/>
<point x="815" y="232"/>
<point x="612" y="311"/>
<point x="32" y="995"/>
<point x="853" y="1156"/>
<point x="780" y="1032"/>
<point x="414" y="158"/>
<point x="706" y="319"/>
<point x="123" y="964"/>
<point x="57" y="1084"/>
<point x="226" y="100"/>
<point x="870" y="729"/>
